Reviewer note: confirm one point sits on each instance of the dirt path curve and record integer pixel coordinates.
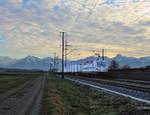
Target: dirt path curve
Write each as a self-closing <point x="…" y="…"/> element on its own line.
<point x="26" y="101"/>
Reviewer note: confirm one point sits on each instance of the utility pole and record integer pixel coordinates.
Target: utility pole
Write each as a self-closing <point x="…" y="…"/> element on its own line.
<point x="66" y="48"/>
<point x="66" y="52"/>
<point x="57" y="63"/>
<point x="80" y="67"/>
<point x="70" y="67"/>
<point x="63" y="52"/>
<point x="54" y="62"/>
<point x="50" y="67"/>
<point x="103" y="55"/>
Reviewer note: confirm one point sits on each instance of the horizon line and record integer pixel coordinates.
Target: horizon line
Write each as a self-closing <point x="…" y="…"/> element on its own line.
<point x="71" y="59"/>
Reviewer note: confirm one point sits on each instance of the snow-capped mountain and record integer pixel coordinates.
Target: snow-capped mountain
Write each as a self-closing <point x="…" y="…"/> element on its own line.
<point x="6" y="61"/>
<point x="32" y="62"/>
<point x="145" y="60"/>
<point x="132" y="62"/>
<point x="29" y="62"/>
<point x="88" y="59"/>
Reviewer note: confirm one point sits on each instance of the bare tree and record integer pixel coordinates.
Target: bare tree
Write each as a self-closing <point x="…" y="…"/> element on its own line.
<point x="126" y="67"/>
<point x="147" y="67"/>
<point x="114" y="65"/>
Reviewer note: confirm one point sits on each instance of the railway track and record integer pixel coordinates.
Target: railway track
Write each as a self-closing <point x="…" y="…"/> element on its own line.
<point x="137" y="92"/>
<point x="143" y="86"/>
<point x="133" y="86"/>
<point x="24" y="100"/>
<point x="134" y="81"/>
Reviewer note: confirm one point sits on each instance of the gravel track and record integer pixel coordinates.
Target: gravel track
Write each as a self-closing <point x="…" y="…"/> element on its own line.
<point x="127" y="92"/>
<point x="142" y="86"/>
<point x="139" y="99"/>
<point x="134" y="81"/>
<point x="24" y="100"/>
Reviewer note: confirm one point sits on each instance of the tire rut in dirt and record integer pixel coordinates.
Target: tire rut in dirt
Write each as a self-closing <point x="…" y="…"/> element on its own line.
<point x="17" y="104"/>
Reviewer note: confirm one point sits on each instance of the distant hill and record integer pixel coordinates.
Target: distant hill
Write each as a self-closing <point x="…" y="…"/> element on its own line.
<point x="29" y="62"/>
<point x="132" y="62"/>
<point x="6" y="61"/>
<point x="32" y="62"/>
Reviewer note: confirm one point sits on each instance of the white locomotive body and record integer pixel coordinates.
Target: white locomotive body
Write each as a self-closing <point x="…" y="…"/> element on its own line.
<point x="95" y="66"/>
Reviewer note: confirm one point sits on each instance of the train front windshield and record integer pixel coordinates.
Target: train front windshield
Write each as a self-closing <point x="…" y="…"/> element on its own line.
<point x="101" y="64"/>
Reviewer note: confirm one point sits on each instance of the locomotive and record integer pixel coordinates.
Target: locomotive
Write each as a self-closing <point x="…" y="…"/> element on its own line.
<point x="96" y="65"/>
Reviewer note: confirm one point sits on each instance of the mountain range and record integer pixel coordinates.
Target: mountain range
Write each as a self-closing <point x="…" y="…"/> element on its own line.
<point x="29" y="62"/>
<point x="32" y="62"/>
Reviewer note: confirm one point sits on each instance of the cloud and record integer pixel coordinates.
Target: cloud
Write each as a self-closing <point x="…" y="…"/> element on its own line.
<point x="1" y="39"/>
<point x="34" y="26"/>
<point x="145" y="23"/>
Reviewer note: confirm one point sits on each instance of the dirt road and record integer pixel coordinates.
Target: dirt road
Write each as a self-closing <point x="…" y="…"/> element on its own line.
<point x="25" y="100"/>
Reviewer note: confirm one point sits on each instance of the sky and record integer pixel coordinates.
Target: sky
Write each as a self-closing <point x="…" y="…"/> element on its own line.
<point x="32" y="27"/>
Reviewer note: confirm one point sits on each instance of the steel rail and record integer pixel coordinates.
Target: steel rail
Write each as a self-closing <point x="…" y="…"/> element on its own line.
<point x="95" y="86"/>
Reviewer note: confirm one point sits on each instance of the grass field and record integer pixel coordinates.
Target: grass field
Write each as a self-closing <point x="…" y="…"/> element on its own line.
<point x="8" y="81"/>
<point x="65" y="98"/>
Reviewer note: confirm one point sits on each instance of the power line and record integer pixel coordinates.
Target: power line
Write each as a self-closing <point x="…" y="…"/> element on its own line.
<point x="66" y="51"/>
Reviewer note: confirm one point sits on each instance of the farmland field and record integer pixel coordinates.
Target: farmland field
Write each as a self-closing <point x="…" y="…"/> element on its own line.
<point x="9" y="81"/>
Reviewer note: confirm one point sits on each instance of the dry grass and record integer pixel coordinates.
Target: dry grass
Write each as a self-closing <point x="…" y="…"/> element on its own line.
<point x="65" y="98"/>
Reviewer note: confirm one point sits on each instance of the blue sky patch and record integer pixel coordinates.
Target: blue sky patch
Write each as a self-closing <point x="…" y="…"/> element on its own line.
<point x="26" y="2"/>
<point x="2" y="2"/>
<point x="110" y="2"/>
<point x="56" y="8"/>
<point x="1" y="39"/>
